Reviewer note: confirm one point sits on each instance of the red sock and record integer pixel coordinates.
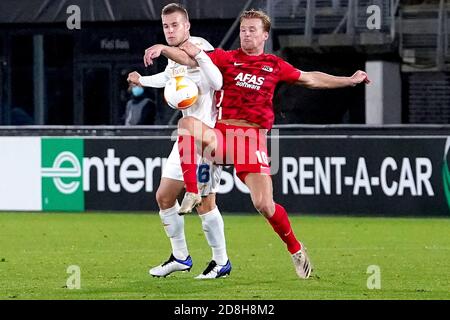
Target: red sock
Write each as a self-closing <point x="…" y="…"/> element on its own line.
<point x="280" y="223"/>
<point x="188" y="159"/>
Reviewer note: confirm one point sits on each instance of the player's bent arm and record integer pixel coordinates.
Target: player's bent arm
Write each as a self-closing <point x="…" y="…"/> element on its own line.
<point x="158" y="80"/>
<point x="212" y="73"/>
<point x="179" y="56"/>
<point x="320" y="80"/>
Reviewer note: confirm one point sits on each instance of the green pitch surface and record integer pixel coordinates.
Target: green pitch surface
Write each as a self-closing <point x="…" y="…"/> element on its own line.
<point x="115" y="251"/>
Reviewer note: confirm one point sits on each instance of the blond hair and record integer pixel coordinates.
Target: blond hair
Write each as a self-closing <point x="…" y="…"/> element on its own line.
<point x="257" y="14"/>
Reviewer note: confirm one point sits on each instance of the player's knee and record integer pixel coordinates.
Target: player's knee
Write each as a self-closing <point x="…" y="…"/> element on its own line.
<point x="264" y="206"/>
<point x="164" y="200"/>
<point x="186" y="123"/>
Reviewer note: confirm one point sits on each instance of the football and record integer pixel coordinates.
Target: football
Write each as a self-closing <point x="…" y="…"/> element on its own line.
<point x="180" y="93"/>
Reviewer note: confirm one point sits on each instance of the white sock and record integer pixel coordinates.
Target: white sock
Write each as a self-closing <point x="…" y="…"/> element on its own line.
<point x="213" y="228"/>
<point x="174" y="227"/>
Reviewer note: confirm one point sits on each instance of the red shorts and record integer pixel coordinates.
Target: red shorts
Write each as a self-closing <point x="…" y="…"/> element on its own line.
<point x="243" y="147"/>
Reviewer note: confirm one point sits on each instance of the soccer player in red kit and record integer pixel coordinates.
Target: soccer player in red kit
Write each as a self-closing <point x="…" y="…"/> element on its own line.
<point x="245" y="115"/>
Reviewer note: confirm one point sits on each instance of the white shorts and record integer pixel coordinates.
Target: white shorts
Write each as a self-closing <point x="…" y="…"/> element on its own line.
<point x="208" y="174"/>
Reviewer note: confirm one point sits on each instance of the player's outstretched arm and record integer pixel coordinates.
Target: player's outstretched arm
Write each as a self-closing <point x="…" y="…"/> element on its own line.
<point x="172" y="53"/>
<point x="320" y="80"/>
<point x="158" y="80"/>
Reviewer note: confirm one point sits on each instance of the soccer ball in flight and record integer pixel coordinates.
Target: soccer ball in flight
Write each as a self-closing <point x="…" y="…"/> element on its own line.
<point x="180" y="93"/>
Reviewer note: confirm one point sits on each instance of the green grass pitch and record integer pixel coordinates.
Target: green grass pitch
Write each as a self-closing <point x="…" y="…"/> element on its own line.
<point x="115" y="251"/>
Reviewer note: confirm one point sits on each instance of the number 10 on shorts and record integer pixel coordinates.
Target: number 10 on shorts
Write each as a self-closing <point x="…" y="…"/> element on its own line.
<point x="262" y="157"/>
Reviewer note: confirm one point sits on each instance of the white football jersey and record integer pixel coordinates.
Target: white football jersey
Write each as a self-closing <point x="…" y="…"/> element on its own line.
<point x="204" y="108"/>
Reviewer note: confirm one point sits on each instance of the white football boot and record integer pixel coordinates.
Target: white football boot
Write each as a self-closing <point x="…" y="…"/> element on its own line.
<point x="214" y="270"/>
<point x="302" y="264"/>
<point x="171" y="265"/>
<point x="190" y="201"/>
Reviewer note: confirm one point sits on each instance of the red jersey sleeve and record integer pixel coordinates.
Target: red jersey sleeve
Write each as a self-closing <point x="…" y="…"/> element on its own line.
<point x="288" y="72"/>
<point x="217" y="56"/>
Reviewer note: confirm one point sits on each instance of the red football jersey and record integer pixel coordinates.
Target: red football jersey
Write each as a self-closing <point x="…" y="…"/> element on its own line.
<point x="249" y="83"/>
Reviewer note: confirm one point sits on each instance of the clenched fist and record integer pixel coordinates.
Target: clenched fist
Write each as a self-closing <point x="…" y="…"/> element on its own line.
<point x="360" y="77"/>
<point x="133" y="78"/>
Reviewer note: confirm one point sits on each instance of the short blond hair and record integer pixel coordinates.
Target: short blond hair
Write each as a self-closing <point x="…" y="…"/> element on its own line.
<point x="257" y="14"/>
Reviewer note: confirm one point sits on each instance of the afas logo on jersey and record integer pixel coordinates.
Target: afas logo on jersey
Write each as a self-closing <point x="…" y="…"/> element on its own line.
<point x="250" y="81"/>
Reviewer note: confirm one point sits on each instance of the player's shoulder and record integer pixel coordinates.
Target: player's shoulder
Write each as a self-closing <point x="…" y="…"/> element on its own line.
<point x="274" y="58"/>
<point x="278" y="63"/>
<point x="227" y="53"/>
<point x="201" y="43"/>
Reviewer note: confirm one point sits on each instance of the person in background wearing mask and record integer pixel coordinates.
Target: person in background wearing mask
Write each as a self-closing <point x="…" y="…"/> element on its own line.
<point x="140" y="110"/>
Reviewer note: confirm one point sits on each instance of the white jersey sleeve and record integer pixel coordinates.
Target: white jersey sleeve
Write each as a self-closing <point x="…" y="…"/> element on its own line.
<point x="158" y="80"/>
<point x="211" y="72"/>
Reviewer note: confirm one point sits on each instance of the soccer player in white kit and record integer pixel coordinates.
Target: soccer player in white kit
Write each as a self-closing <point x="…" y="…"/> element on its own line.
<point x="176" y="27"/>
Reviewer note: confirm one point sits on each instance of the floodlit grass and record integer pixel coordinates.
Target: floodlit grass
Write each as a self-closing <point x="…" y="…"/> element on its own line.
<point x="115" y="251"/>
